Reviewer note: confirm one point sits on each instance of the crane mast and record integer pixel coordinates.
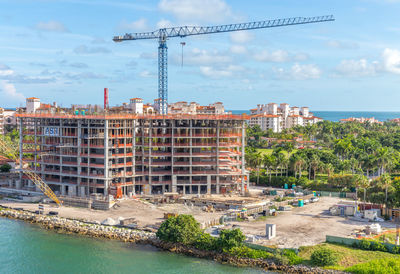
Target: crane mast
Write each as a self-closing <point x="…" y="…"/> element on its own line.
<point x="163" y="34"/>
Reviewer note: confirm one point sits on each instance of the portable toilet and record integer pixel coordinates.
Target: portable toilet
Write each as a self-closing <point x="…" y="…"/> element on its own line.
<point x="314" y="193"/>
<point x="83" y="112"/>
<point x="76" y="112"/>
<point x="293" y="186"/>
<point x="301" y="203"/>
<point x="286" y="186"/>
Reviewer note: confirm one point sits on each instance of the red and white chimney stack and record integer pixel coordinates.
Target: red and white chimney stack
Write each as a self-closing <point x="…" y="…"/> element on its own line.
<point x="105" y="98"/>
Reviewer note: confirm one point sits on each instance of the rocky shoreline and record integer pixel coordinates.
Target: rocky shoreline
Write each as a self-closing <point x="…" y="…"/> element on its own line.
<point x="64" y="225"/>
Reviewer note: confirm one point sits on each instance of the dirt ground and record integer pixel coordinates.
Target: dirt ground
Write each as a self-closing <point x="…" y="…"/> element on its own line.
<point x="304" y="226"/>
<point x="145" y="213"/>
<point x="300" y="227"/>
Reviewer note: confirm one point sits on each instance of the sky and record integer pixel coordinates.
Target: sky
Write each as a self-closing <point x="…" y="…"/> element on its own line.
<point x="62" y="51"/>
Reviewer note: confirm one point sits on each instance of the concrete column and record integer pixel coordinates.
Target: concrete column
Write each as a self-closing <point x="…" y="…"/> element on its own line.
<point x="21" y="128"/>
<point x="208" y="184"/>
<point x="163" y="188"/>
<point x="82" y="191"/>
<point x="173" y="183"/>
<point x="217" y="184"/>
<point x="18" y="184"/>
<point x="63" y="190"/>
<point x="106" y="159"/>
<point x="184" y="189"/>
<point x="243" y="162"/>
<point x="71" y="190"/>
<point x="10" y="183"/>
<point x="79" y="159"/>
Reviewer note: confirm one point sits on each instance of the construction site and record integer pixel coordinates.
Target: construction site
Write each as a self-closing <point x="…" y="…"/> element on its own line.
<point x="125" y="155"/>
<point x="139" y="164"/>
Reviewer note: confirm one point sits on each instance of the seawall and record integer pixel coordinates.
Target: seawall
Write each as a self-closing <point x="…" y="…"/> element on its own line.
<point x="68" y="226"/>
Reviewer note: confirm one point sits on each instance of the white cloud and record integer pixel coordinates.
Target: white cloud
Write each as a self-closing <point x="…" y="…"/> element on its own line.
<point x="10" y="92"/>
<point x="163" y="23"/>
<point x="238" y="49"/>
<point x="241" y="37"/>
<point x="216" y="73"/>
<point x="299" y="72"/>
<point x="196" y="10"/>
<point x="82" y="49"/>
<point x="5" y="70"/>
<point x="302" y="72"/>
<point x="54" y="26"/>
<point x="135" y="26"/>
<point x="356" y="68"/>
<point x="391" y="60"/>
<point x="279" y="56"/>
<point x="203" y="57"/>
<point x="342" y="44"/>
<point x="146" y="74"/>
<point x="388" y="63"/>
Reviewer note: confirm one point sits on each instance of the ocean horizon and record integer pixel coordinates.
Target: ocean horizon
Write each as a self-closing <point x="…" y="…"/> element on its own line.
<point x="335" y="116"/>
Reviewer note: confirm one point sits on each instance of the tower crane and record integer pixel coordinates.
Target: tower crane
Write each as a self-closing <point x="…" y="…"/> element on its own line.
<point x="12" y="152"/>
<point x="164" y="33"/>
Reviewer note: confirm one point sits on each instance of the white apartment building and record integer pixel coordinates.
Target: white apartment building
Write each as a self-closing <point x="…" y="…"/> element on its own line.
<point x="195" y="108"/>
<point x="266" y="121"/>
<point x="32" y="104"/>
<point x="277" y="118"/>
<point x="136" y="104"/>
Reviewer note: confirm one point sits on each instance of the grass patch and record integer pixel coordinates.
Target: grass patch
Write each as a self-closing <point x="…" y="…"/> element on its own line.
<point x="347" y="256"/>
<point x="268" y="151"/>
<point x="382" y="266"/>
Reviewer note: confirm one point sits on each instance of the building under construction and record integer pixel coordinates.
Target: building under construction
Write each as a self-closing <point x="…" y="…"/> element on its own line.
<point x="120" y="154"/>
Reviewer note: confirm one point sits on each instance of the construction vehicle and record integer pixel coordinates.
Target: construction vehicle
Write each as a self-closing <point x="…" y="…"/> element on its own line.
<point x="10" y="151"/>
<point x="169" y="215"/>
<point x="165" y="33"/>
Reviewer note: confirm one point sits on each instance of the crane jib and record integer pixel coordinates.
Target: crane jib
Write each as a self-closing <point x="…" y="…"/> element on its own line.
<point x="184" y="31"/>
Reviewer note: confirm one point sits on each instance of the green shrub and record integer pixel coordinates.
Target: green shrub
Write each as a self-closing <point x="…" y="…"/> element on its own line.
<point x="246" y="252"/>
<point x="324" y="257"/>
<point x="293" y="257"/>
<point x="182" y="229"/>
<point x="5" y="168"/>
<point x="377" y="246"/>
<point x="230" y="238"/>
<point x="382" y="266"/>
<point x="205" y="242"/>
<point x="364" y="244"/>
<point x="395" y="250"/>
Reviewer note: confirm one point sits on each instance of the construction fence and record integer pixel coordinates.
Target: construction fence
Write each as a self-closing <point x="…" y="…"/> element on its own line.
<point x="351" y="241"/>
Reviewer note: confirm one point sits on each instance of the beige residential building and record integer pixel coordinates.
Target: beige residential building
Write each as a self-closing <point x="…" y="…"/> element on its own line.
<point x="183" y="107"/>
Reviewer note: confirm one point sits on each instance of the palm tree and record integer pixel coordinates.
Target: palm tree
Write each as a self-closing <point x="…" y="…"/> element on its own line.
<point x="364" y="183"/>
<point x="329" y="169"/>
<point x="361" y="181"/>
<point x="315" y="164"/>
<point x="269" y="163"/>
<point x="253" y="160"/>
<point x="385" y="182"/>
<point x="257" y="161"/>
<point x="384" y="157"/>
<point x="298" y="162"/>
